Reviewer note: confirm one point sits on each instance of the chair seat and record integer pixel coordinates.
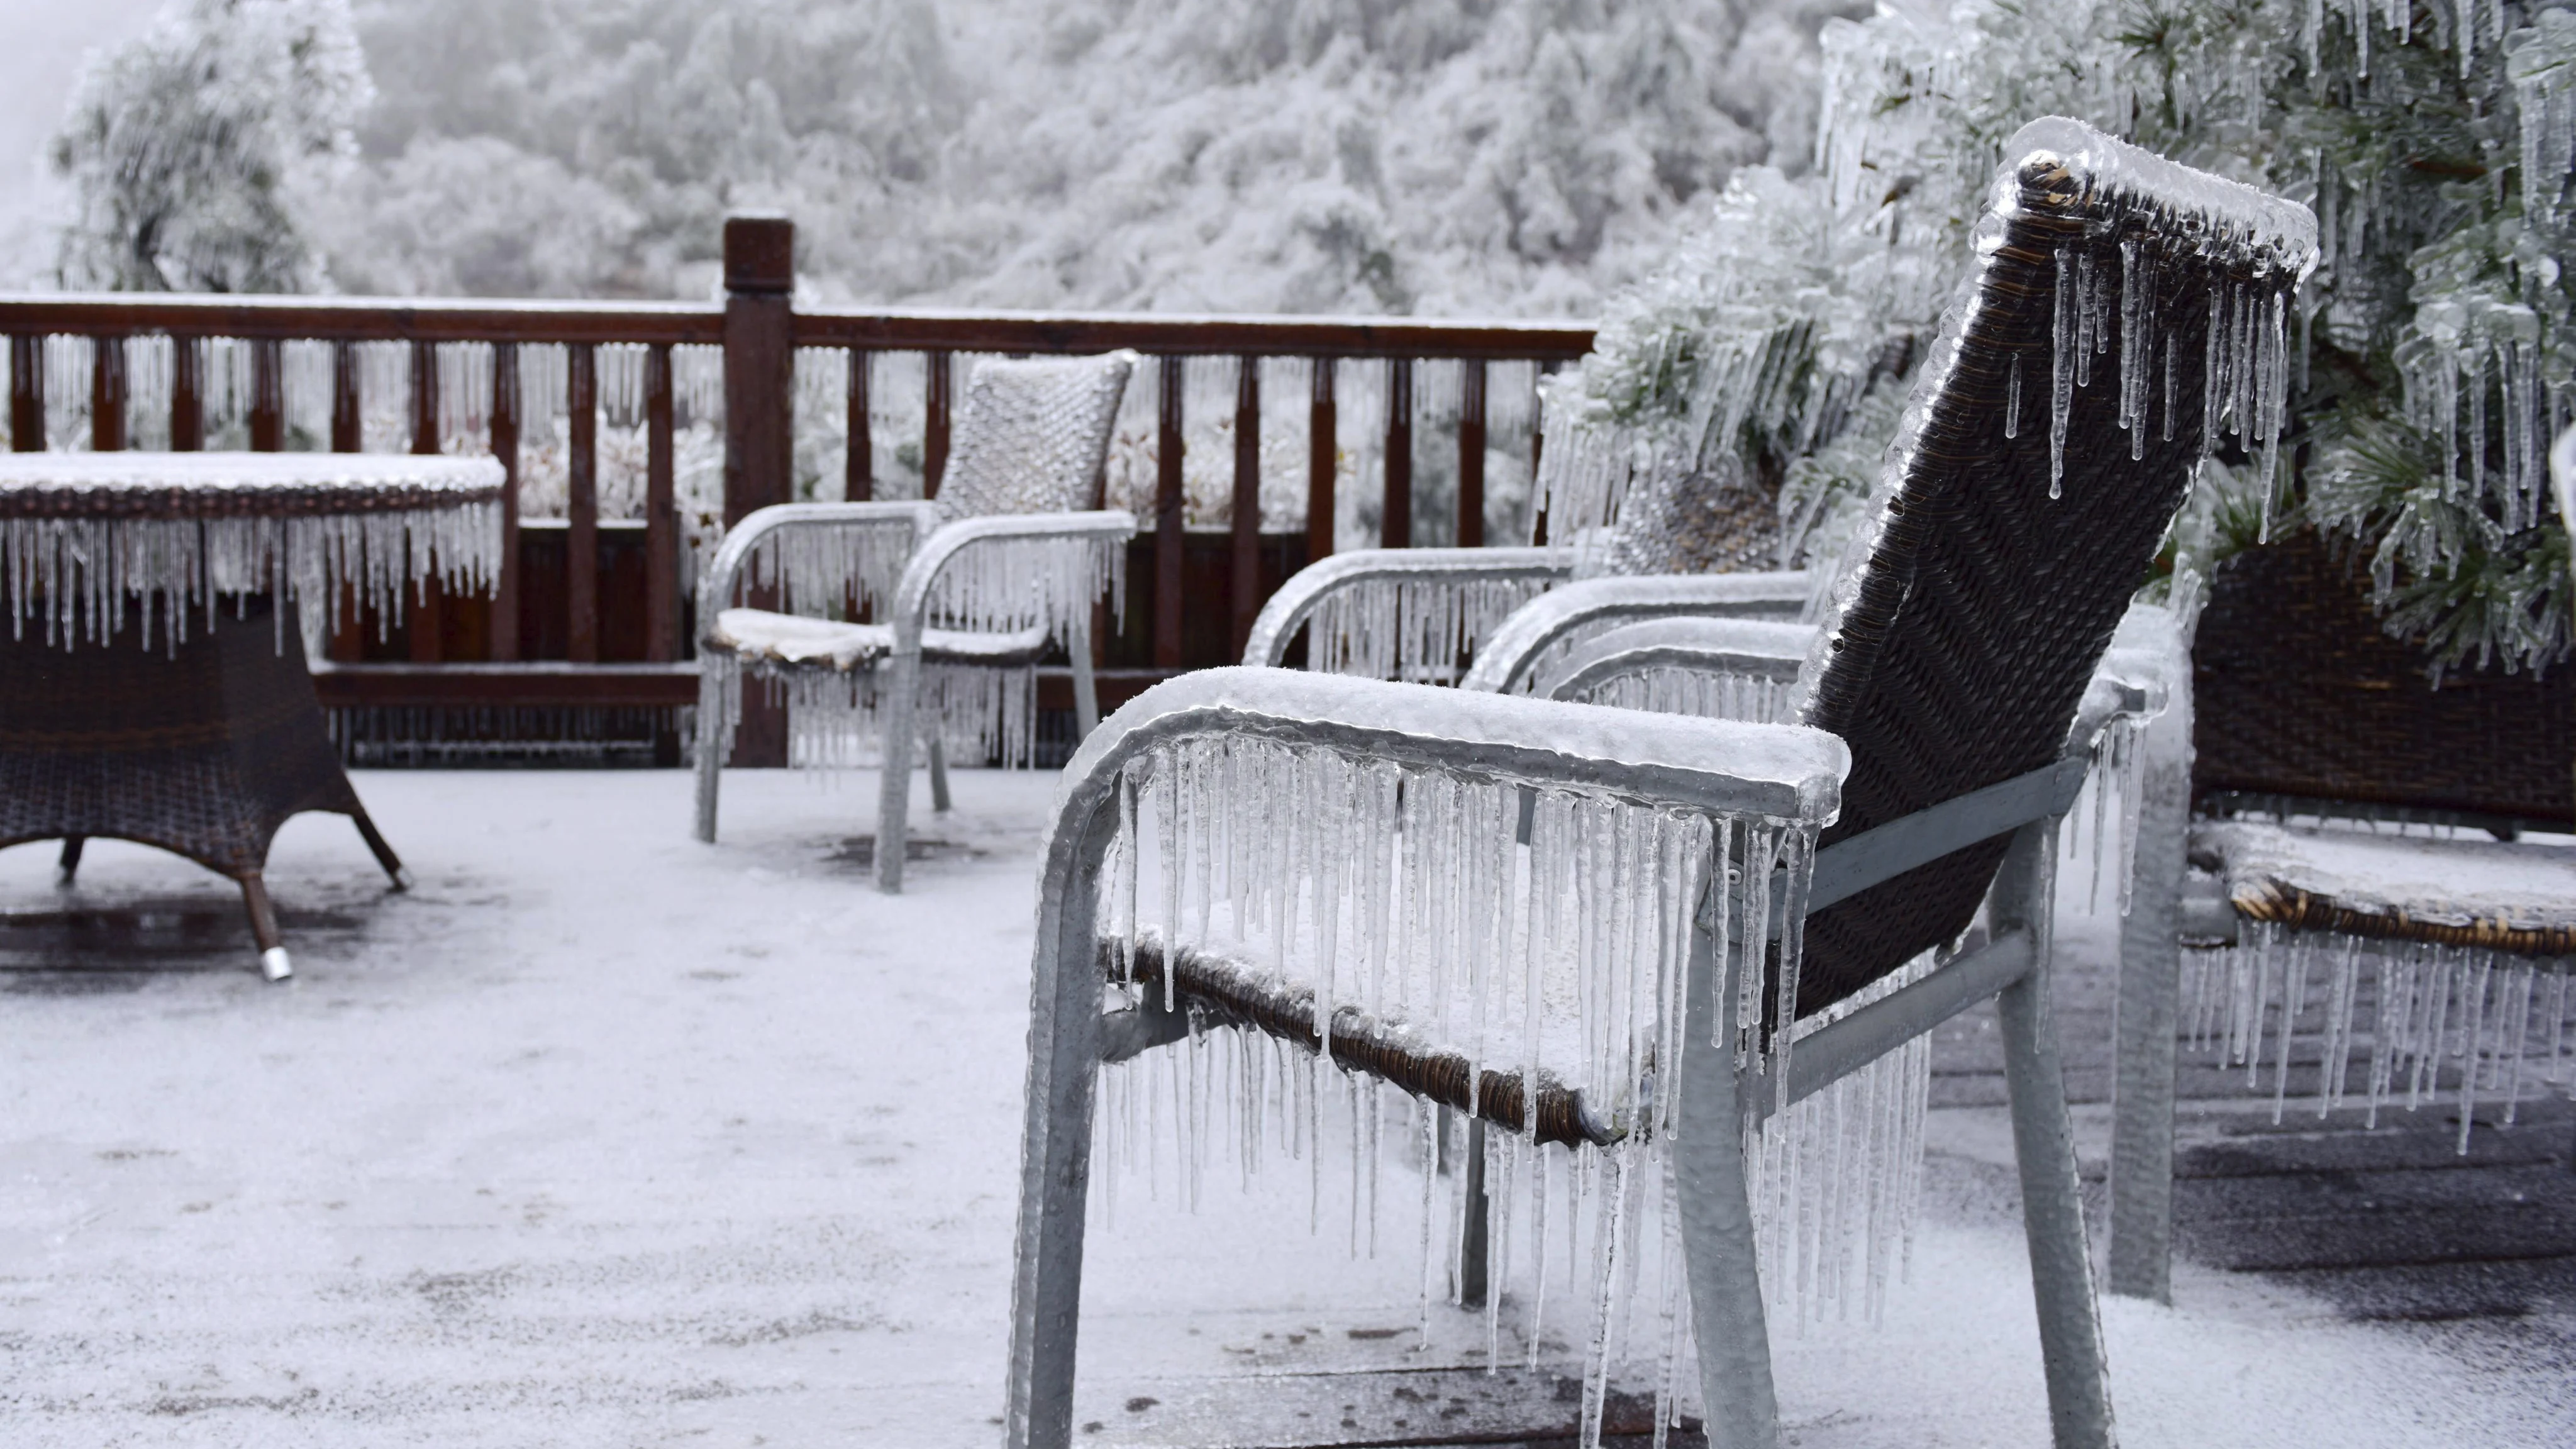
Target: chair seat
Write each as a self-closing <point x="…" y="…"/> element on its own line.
<point x="2504" y="895"/>
<point x="1391" y="1045"/>
<point x="796" y="640"/>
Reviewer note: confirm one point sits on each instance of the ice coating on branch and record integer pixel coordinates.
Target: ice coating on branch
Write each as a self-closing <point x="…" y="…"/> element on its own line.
<point x="86" y="538"/>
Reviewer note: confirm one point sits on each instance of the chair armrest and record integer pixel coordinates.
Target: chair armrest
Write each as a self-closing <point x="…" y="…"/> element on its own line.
<point x="735" y="554"/>
<point x="1753" y="648"/>
<point x="1296" y="601"/>
<point x="1589" y="604"/>
<point x="1107" y="527"/>
<point x="1785" y="772"/>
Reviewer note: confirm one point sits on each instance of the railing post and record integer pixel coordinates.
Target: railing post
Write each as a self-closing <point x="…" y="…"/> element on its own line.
<point x="581" y="507"/>
<point x="859" y="457"/>
<point x="1169" y="502"/>
<point x="1471" y="453"/>
<point x="1323" y="458"/>
<point x="348" y="432"/>
<point x="107" y="394"/>
<point x="1247" y="500"/>
<point x="429" y="602"/>
<point x="939" y="394"/>
<point x="1538" y="451"/>
<point x="267" y="395"/>
<point x="26" y="392"/>
<point x="1395" y="527"/>
<point x="505" y="449"/>
<point x="661" y="516"/>
<point x="187" y="393"/>
<point x="760" y="355"/>
<point x="760" y="361"/>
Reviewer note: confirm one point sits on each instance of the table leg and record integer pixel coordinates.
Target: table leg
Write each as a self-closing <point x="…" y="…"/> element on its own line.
<point x="71" y="856"/>
<point x="273" y="962"/>
<point x="384" y="853"/>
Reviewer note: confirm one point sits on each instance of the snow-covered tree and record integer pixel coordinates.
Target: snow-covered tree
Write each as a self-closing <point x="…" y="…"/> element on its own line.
<point x="1442" y="156"/>
<point x="2437" y="342"/>
<point x="181" y="146"/>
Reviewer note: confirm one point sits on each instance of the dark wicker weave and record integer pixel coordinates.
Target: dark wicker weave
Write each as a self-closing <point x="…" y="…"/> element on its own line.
<point x="1985" y="604"/>
<point x="203" y="751"/>
<point x="2304" y="699"/>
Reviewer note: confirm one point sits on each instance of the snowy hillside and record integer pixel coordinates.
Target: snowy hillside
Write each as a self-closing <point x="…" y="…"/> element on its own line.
<point x="1516" y="157"/>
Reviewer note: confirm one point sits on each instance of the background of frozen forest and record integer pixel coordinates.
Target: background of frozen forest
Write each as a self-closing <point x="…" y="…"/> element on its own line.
<point x="1437" y="157"/>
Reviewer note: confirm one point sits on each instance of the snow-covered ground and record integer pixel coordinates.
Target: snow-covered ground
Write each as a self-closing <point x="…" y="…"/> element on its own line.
<point x="602" y="1136"/>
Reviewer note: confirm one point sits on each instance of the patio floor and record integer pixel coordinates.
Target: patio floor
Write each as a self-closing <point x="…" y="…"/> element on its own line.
<point x="602" y="1136"/>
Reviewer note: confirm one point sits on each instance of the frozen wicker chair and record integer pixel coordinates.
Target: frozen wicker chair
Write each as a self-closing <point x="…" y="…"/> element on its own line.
<point x="1680" y="902"/>
<point x="970" y="592"/>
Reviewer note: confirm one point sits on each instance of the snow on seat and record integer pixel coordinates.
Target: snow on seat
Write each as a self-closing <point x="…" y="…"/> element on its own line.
<point x="793" y="639"/>
<point x="2512" y="896"/>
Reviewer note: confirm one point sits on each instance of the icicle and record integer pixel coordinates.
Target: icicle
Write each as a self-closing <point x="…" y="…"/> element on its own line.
<point x="2067" y="349"/>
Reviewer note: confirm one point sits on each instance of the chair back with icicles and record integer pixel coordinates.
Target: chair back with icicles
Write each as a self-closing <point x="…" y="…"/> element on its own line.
<point x="2124" y="318"/>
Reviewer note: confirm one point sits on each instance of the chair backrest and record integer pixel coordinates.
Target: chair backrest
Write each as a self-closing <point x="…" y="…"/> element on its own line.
<point x="2305" y="704"/>
<point x="2123" y="315"/>
<point x="1032" y="434"/>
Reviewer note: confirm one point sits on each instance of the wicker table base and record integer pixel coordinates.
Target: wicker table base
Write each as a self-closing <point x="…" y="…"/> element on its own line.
<point x="203" y="752"/>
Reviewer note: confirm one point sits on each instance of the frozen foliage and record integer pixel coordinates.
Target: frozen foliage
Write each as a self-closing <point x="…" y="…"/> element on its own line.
<point x="180" y="144"/>
<point x="2430" y="358"/>
<point x="89" y="550"/>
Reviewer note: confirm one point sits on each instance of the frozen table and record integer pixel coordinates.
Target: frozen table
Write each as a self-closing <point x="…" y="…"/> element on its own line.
<point x="152" y="673"/>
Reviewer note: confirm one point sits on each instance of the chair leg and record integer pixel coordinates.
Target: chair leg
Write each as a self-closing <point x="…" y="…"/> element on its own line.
<point x="938" y="754"/>
<point x="273" y="962"/>
<point x="1473" y="1230"/>
<point x="894" y="791"/>
<point x="384" y="853"/>
<point x="2142" y="1093"/>
<point x="70" y="863"/>
<point x="717" y="698"/>
<point x="1720" y="1257"/>
<point x="1086" y="689"/>
<point x="2052" y="1207"/>
<point x="1055" y="1144"/>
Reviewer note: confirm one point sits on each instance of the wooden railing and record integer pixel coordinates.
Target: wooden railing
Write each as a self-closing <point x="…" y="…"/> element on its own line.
<point x="539" y="641"/>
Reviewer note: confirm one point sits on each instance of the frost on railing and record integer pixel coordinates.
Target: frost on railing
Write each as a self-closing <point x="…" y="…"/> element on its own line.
<point x="2486" y="1019"/>
<point x="1411" y="629"/>
<point x="1354" y="913"/>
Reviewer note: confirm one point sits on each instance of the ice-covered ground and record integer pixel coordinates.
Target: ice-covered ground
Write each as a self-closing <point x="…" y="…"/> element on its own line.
<point x="604" y="1136"/>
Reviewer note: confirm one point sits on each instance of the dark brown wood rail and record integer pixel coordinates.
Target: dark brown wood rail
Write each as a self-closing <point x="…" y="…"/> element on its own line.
<point x="590" y="614"/>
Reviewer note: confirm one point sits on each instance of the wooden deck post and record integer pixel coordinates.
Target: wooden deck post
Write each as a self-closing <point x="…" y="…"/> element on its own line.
<point x="26" y="392"/>
<point x="1247" y="500"/>
<point x="1169" y="510"/>
<point x="759" y="367"/>
<point x="1395" y="520"/>
<point x="107" y="394"/>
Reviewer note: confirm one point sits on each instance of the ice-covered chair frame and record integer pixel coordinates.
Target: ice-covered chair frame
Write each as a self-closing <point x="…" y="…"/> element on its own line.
<point x="970" y="592"/>
<point x="1953" y="668"/>
<point x="2478" y="932"/>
